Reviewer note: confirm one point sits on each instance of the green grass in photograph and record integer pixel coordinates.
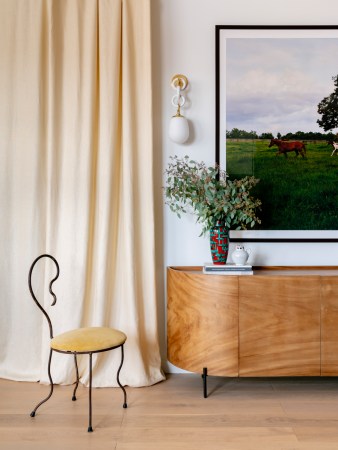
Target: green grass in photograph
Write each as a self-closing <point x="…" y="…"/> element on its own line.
<point x="297" y="193"/>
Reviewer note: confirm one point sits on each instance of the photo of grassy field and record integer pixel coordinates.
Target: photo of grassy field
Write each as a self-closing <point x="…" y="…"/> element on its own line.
<point x="283" y="91"/>
<point x="297" y="193"/>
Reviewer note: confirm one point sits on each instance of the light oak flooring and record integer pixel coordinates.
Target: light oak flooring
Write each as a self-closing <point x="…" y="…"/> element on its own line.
<point x="240" y="414"/>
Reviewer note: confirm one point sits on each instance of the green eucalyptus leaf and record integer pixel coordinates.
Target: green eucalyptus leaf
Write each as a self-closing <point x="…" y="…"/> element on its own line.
<point x="192" y="187"/>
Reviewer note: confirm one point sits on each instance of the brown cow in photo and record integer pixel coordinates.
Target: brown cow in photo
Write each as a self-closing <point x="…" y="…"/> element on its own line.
<point x="288" y="146"/>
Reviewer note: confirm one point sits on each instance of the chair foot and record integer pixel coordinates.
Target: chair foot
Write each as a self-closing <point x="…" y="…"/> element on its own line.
<point x="32" y="414"/>
<point x="77" y="378"/>
<point x="90" y="429"/>
<point x="118" y="379"/>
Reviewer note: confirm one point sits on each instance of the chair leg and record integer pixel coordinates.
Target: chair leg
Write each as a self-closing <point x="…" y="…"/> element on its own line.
<point x="32" y="414"/>
<point x="77" y="378"/>
<point x="90" y="429"/>
<point x="118" y="379"/>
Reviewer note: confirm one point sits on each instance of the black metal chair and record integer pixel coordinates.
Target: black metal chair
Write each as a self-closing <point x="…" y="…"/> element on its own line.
<point x="78" y="342"/>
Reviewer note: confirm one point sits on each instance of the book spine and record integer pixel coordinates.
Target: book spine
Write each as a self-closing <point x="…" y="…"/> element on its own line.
<point x="239" y="269"/>
<point x="230" y="272"/>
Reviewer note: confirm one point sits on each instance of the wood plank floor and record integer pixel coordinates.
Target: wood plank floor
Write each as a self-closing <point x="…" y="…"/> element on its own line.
<point x="240" y="414"/>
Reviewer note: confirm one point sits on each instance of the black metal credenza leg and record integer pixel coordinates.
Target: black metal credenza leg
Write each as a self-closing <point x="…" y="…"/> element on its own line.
<point x="204" y="376"/>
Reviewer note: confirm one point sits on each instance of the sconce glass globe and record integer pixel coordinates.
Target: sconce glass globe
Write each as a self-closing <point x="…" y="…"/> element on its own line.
<point x="179" y="129"/>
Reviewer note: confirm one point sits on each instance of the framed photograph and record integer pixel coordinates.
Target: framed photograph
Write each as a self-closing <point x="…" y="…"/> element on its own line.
<point x="277" y="120"/>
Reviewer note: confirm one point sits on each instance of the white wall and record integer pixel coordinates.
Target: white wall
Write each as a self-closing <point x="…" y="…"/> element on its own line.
<point x="183" y="42"/>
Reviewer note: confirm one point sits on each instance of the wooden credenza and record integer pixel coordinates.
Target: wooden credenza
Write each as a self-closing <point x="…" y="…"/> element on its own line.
<point x="277" y="322"/>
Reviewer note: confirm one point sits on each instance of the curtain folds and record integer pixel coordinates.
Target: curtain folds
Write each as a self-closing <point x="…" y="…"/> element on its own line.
<point x="76" y="181"/>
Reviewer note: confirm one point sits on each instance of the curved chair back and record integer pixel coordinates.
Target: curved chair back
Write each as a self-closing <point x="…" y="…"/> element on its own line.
<point x="50" y="288"/>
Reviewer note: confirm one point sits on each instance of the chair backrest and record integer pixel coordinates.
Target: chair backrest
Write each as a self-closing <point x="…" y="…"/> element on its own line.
<point x="50" y="288"/>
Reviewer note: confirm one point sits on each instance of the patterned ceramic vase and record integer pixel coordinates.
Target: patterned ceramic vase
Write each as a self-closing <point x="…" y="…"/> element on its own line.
<point x="219" y="243"/>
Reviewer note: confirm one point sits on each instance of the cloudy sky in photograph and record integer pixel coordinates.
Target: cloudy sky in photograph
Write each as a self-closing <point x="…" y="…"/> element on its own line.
<point x="275" y="85"/>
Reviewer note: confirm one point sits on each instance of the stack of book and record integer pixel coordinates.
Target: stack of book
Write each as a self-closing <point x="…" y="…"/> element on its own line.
<point x="227" y="269"/>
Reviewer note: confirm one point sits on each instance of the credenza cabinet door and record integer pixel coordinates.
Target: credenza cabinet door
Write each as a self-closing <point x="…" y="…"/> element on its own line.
<point x="279" y="326"/>
<point x="202" y="320"/>
<point x="329" y="326"/>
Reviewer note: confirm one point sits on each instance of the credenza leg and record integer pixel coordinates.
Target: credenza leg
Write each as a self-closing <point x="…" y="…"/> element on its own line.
<point x="204" y="376"/>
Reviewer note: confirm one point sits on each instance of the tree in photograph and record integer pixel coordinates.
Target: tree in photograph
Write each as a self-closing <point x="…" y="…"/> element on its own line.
<point x="328" y="108"/>
<point x="235" y="133"/>
<point x="266" y="136"/>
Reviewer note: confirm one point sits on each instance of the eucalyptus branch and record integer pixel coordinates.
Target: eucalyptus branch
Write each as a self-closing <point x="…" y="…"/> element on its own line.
<point x="208" y="193"/>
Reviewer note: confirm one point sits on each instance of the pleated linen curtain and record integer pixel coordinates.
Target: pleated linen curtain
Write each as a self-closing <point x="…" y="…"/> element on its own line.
<point x="76" y="181"/>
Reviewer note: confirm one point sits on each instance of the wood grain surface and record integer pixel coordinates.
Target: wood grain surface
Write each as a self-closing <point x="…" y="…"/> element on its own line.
<point x="203" y="322"/>
<point x="279" y="322"/>
<point x="239" y="414"/>
<point x="329" y="329"/>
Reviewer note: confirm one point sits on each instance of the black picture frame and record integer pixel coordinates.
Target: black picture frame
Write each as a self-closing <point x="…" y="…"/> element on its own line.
<point x="269" y="236"/>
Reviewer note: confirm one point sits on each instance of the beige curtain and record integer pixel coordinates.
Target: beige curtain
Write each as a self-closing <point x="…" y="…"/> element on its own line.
<point x="76" y="182"/>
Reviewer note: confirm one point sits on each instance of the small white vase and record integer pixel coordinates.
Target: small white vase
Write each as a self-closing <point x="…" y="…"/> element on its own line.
<point x="240" y="255"/>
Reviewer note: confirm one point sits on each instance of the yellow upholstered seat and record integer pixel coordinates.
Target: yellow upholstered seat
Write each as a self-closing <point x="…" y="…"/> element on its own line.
<point x="87" y="340"/>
